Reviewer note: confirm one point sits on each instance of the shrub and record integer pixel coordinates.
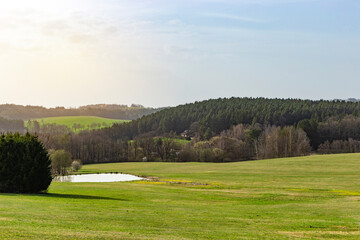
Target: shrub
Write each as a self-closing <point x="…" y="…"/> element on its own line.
<point x="76" y="165"/>
<point x="24" y="164"/>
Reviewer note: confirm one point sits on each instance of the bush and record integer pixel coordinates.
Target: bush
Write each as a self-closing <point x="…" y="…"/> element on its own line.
<point x="24" y="164"/>
<point x="76" y="165"/>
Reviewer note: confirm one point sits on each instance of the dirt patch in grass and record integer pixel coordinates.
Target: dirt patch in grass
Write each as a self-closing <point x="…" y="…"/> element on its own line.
<point x="155" y="180"/>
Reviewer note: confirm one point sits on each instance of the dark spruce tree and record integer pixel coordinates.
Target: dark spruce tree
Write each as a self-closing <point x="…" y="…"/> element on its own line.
<point x="24" y="164"/>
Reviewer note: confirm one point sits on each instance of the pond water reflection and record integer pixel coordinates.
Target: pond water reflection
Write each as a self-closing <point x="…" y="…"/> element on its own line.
<point x="101" y="177"/>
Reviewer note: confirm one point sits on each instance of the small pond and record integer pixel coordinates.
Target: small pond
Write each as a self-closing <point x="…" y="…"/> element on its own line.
<point x="101" y="177"/>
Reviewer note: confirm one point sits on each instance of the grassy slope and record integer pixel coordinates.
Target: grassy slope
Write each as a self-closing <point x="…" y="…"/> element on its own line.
<point x="315" y="197"/>
<point x="84" y="120"/>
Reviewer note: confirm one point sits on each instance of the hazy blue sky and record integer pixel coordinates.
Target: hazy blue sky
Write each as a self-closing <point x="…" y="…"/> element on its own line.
<point x="168" y="52"/>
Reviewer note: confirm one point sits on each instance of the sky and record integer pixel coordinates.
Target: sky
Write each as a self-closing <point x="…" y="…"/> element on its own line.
<point x="164" y="53"/>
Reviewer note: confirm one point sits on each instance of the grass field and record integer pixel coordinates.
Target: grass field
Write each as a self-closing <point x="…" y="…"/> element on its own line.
<point x="87" y="122"/>
<point x="316" y="197"/>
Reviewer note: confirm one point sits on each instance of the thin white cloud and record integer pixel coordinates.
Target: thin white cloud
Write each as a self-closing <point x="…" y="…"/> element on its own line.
<point x="36" y="30"/>
<point x="175" y="22"/>
<point x="235" y="17"/>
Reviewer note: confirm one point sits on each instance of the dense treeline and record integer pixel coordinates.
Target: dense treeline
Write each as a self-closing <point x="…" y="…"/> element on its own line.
<point x="242" y="142"/>
<point x="11" y="111"/>
<point x="88" y="146"/>
<point x="7" y="125"/>
<point x="333" y="128"/>
<point x="34" y="126"/>
<point x="340" y="146"/>
<point x="220" y="130"/>
<point x="217" y="115"/>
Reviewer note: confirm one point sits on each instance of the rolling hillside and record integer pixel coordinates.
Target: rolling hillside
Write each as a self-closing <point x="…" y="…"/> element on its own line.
<point x="113" y="111"/>
<point x="216" y="115"/>
<point x="315" y="197"/>
<point x="78" y="123"/>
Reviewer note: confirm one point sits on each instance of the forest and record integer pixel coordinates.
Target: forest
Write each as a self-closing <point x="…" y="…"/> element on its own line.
<point x="216" y="130"/>
<point x="216" y="115"/>
<point x="219" y="130"/>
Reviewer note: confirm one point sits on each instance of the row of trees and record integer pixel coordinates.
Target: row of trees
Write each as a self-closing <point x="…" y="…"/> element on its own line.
<point x="242" y="142"/>
<point x="55" y="129"/>
<point x="340" y="146"/>
<point x="7" y="125"/>
<point x="331" y="129"/>
<point x="34" y="126"/>
<point x="221" y="130"/>
<point x="12" y="111"/>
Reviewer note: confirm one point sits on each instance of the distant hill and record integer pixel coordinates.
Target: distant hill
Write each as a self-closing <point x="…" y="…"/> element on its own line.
<point x="224" y="129"/>
<point x="216" y="115"/>
<point x="77" y="123"/>
<point x="112" y="111"/>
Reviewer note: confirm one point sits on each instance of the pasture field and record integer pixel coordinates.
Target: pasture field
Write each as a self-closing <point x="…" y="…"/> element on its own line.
<point x="86" y="122"/>
<point x="314" y="197"/>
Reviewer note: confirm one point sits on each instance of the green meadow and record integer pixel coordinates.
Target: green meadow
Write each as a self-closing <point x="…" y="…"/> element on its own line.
<point x="86" y="122"/>
<point x="315" y="197"/>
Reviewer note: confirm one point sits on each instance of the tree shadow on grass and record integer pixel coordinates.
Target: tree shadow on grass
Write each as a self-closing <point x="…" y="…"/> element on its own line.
<point x="69" y="196"/>
<point x="76" y="196"/>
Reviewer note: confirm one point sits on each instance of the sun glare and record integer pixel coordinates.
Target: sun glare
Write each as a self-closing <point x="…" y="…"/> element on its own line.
<point x="50" y="6"/>
<point x="15" y="4"/>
